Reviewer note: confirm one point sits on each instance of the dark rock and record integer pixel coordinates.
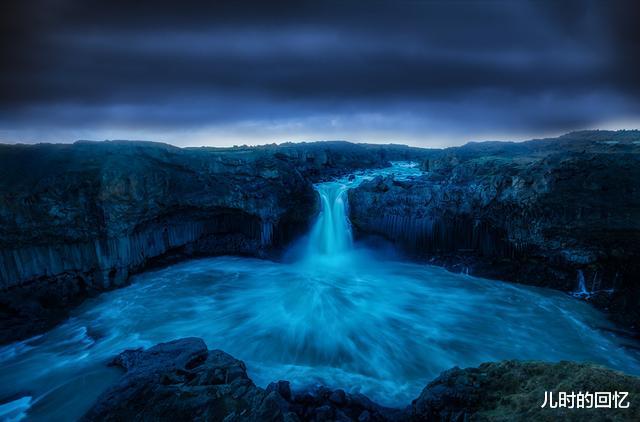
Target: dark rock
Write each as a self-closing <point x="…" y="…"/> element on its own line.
<point x="536" y="212"/>
<point x="515" y="391"/>
<point x="182" y="380"/>
<point x="364" y="417"/>
<point x="282" y="388"/>
<point x="338" y="397"/>
<point x="79" y="219"/>
<point x="324" y="413"/>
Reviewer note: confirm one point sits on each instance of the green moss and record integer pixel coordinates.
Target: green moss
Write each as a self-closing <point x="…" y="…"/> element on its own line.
<point x="514" y="391"/>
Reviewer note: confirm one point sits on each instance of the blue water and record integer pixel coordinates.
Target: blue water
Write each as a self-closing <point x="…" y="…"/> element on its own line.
<point x="339" y="314"/>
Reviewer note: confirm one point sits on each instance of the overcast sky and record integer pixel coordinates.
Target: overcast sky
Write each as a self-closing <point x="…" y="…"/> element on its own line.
<point x="425" y="73"/>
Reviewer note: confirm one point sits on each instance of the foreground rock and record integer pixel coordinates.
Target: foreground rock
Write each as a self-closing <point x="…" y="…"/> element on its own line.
<point x="182" y="380"/>
<point x="561" y="213"/>
<point x="515" y="391"/>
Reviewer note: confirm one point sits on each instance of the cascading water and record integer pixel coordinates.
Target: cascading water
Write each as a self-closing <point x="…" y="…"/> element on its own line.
<point x="331" y="234"/>
<point x="341" y="316"/>
<point x="581" y="291"/>
<point x="331" y="238"/>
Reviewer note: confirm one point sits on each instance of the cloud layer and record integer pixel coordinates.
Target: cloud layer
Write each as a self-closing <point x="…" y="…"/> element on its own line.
<point x="430" y="73"/>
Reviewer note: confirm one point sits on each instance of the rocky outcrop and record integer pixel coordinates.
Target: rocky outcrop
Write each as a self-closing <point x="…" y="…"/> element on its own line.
<point x="515" y="391"/>
<point x="548" y="212"/>
<point x="182" y="380"/>
<point x="79" y="219"/>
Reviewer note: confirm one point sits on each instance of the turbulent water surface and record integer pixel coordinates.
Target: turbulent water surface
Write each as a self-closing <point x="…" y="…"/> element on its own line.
<point x="336" y="315"/>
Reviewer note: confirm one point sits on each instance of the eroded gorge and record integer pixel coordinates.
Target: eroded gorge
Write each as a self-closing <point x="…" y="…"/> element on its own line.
<point x="312" y="263"/>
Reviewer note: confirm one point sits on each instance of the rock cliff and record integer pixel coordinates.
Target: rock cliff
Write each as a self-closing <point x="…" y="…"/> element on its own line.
<point x="561" y="213"/>
<point x="78" y="219"/>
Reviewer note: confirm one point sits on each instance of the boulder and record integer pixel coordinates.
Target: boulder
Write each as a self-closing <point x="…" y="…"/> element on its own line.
<point x="515" y="391"/>
<point x="183" y="380"/>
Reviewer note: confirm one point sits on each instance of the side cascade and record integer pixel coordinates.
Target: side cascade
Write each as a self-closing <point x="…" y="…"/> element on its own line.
<point x="581" y="291"/>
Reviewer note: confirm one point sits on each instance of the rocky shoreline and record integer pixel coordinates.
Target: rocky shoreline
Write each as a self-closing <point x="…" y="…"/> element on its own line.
<point x="183" y="380"/>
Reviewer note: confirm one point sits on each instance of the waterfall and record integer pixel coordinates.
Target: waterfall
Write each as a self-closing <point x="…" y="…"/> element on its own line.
<point x="331" y="233"/>
<point x="331" y="238"/>
<point x="582" y="286"/>
<point x="266" y="233"/>
<point x="596" y="286"/>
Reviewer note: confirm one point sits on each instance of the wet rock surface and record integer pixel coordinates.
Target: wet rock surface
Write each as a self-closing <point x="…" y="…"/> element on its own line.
<point x="546" y="212"/>
<point x="182" y="380"/>
<point x="79" y="219"/>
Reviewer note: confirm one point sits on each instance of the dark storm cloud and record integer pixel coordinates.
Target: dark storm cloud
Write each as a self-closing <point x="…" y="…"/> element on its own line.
<point x="317" y="68"/>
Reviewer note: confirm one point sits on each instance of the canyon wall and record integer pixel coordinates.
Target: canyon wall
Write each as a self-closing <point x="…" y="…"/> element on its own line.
<point x="78" y="219"/>
<point x="551" y="213"/>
